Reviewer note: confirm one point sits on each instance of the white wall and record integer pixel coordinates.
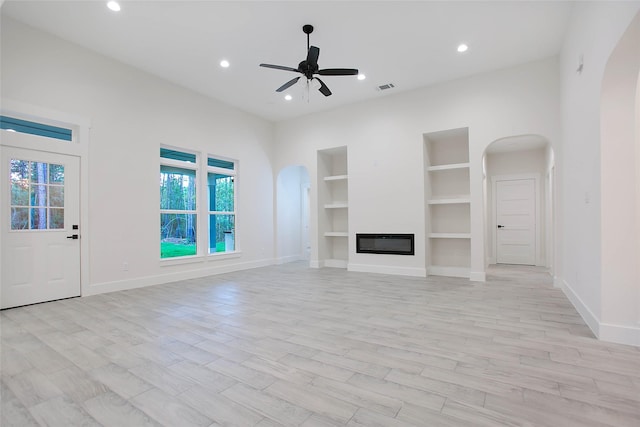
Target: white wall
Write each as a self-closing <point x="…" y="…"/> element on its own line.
<point x="132" y="113"/>
<point x="289" y="187"/>
<point x="589" y="178"/>
<point x="514" y="163"/>
<point x="637" y="262"/>
<point x="620" y="218"/>
<point x="385" y="149"/>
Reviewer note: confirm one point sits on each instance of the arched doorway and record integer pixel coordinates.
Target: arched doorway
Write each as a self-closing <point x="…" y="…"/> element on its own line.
<point x="292" y="226"/>
<point x="519" y="175"/>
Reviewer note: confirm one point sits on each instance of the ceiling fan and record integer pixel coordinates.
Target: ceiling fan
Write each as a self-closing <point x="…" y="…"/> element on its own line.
<point x="309" y="68"/>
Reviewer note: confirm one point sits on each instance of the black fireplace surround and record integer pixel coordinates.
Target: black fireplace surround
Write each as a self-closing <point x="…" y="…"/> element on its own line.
<point x="391" y="244"/>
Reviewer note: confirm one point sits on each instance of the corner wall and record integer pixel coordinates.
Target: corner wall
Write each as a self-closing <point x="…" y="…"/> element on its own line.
<point x="132" y="113"/>
<point x="584" y="173"/>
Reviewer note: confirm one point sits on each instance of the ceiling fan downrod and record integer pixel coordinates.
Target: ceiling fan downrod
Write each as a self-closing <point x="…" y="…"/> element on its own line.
<point x="307" y="29"/>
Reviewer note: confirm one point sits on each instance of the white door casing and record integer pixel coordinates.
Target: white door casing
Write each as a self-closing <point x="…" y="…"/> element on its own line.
<point x="39" y="265"/>
<point x="306" y="209"/>
<point x="516" y="221"/>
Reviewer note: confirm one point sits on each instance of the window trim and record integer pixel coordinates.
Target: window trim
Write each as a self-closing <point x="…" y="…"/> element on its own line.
<point x="202" y="212"/>
<point x="229" y="172"/>
<point x="164" y="161"/>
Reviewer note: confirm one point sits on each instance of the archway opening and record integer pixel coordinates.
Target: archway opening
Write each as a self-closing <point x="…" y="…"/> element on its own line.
<point x="293" y="210"/>
<point x="518" y="187"/>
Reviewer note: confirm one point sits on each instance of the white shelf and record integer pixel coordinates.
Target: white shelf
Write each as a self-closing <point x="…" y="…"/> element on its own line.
<point x="336" y="205"/>
<point x="449" y="201"/>
<point x="448" y="167"/>
<point x="333" y="201"/>
<point x="336" y="178"/>
<point x="450" y="235"/>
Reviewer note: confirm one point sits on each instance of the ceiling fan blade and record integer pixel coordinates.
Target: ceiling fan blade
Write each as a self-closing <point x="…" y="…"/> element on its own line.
<point x="338" y="72"/>
<point x="312" y="56"/>
<point x="323" y="88"/>
<point x="288" y="84"/>
<point x="280" y="67"/>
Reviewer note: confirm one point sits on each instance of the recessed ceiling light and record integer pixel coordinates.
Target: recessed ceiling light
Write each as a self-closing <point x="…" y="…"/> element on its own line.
<point x="361" y="76"/>
<point x="113" y="5"/>
<point x="288" y="97"/>
<point x="462" y="47"/>
<point x="224" y="63"/>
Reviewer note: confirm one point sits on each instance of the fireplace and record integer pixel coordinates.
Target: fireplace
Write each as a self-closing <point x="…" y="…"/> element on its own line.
<point x="391" y="244"/>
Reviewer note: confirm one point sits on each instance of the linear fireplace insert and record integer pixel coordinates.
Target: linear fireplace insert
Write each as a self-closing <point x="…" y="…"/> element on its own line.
<point x="392" y="244"/>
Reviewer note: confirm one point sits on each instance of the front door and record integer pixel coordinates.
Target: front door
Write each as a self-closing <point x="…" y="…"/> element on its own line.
<point x="516" y="222"/>
<point x="39" y="216"/>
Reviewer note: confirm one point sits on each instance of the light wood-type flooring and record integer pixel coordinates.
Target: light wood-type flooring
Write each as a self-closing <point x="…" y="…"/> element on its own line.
<point x="288" y="345"/>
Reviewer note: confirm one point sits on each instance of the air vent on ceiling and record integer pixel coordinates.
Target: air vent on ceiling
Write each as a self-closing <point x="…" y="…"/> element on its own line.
<point x="387" y="86"/>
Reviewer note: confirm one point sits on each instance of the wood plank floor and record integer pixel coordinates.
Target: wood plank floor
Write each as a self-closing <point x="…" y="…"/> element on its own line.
<point x="287" y="345"/>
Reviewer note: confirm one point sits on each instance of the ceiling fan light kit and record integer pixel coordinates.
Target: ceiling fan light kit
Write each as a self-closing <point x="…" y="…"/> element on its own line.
<point x="309" y="68"/>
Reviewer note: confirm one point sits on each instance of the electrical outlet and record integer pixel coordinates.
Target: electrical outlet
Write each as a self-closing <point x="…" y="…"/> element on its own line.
<point x="125" y="266"/>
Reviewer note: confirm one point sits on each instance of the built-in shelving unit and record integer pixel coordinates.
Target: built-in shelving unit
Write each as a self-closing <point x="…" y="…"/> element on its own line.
<point x="448" y="202"/>
<point x="333" y="224"/>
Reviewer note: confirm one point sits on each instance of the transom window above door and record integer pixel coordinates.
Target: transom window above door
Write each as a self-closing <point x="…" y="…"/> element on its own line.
<point x="12" y="124"/>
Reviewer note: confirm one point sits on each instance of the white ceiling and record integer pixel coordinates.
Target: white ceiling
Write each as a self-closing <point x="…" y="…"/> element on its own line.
<point x="408" y="43"/>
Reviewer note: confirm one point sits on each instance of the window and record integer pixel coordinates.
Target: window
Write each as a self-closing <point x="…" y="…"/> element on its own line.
<point x="178" y="207"/>
<point x="37" y="195"/>
<point x="180" y="210"/>
<point x="12" y="124"/>
<point x="221" y="185"/>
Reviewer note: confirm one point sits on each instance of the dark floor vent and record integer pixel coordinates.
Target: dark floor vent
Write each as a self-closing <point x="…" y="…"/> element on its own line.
<point x="387" y="86"/>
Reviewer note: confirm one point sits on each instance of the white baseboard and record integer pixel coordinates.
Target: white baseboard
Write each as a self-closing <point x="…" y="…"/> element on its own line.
<point x="288" y="259"/>
<point x="587" y="315"/>
<point x="620" y="334"/>
<point x="436" y="270"/>
<point x="478" y="276"/>
<point x="335" y="263"/>
<point x="388" y="269"/>
<point x="140" y="282"/>
<point x="316" y="264"/>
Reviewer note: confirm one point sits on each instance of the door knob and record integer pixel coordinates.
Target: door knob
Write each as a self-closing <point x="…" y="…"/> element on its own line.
<point x="73" y="236"/>
<point x="500" y="226"/>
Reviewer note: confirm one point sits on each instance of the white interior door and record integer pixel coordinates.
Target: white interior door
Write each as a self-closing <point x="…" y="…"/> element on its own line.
<point x="516" y="221"/>
<point x="40" y="206"/>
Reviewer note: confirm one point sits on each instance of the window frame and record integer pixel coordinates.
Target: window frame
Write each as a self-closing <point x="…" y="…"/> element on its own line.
<point x="234" y="174"/>
<point x="202" y="212"/>
<point x="164" y="161"/>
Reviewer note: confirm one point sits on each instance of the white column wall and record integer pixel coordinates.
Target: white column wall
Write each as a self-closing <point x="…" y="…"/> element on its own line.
<point x="620" y="218"/>
<point x="589" y="251"/>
